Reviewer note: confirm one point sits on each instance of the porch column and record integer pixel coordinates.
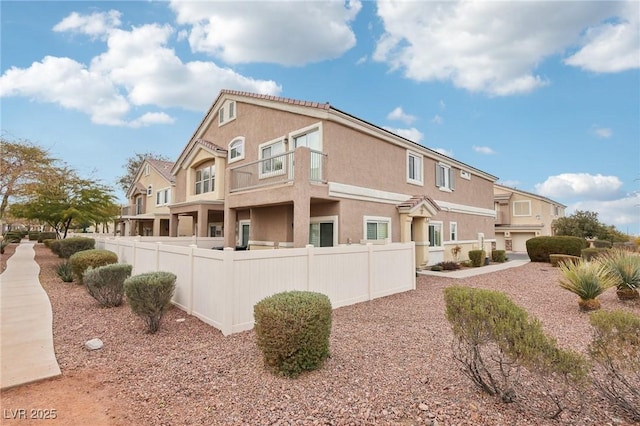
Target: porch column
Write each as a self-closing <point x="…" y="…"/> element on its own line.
<point x="301" y="197"/>
<point x="421" y="236"/>
<point x="156" y="227"/>
<point x="230" y="219"/>
<point x="203" y="219"/>
<point x="174" y="221"/>
<point x="405" y="227"/>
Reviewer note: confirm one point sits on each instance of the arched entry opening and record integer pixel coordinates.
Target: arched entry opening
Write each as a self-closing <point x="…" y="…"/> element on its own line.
<point x="414" y="222"/>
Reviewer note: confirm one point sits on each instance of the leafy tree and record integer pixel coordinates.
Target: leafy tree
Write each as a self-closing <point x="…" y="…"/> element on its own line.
<point x="585" y="224"/>
<point x="64" y="199"/>
<point x="23" y="164"/>
<point x="133" y="166"/>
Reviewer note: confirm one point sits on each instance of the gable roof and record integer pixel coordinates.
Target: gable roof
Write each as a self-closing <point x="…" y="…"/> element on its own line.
<point x="322" y="111"/>
<point x="418" y="202"/>
<point x="162" y="167"/>
<point x="509" y="190"/>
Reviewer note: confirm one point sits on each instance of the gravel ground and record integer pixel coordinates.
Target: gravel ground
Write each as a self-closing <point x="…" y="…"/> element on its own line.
<point x="390" y="361"/>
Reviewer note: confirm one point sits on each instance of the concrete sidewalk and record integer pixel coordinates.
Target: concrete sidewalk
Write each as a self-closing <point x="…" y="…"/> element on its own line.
<point x="26" y="335"/>
<point x="470" y="272"/>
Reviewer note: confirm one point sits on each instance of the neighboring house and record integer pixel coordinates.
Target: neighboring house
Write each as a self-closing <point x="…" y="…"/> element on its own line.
<point x="149" y="198"/>
<point x="521" y="215"/>
<point x="270" y="172"/>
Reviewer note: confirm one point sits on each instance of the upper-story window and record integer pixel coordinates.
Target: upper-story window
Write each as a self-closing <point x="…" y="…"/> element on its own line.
<point x="139" y="205"/>
<point x="227" y="112"/>
<point x="205" y="179"/>
<point x="311" y="137"/>
<point x="445" y="179"/>
<point x="414" y="168"/>
<point x="163" y="197"/>
<point x="272" y="161"/>
<point x="236" y="150"/>
<point x="147" y="169"/>
<point x="522" y="208"/>
<point x="149" y="190"/>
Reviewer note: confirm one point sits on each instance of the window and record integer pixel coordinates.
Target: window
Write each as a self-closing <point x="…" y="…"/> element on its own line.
<point x="522" y="208"/>
<point x="227" y="112"/>
<point x="445" y="179"/>
<point x="149" y="190"/>
<point x="146" y="170"/>
<point x="272" y="161"/>
<point x="205" y="179"/>
<point x="163" y="197"/>
<point x="138" y="205"/>
<point x="435" y="234"/>
<point x="453" y="231"/>
<point x="414" y="168"/>
<point x="309" y="137"/>
<point x="465" y="175"/>
<point x="377" y="228"/>
<point x="236" y="150"/>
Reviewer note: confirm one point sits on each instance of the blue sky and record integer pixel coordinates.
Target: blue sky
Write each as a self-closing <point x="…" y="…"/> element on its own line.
<point x="543" y="95"/>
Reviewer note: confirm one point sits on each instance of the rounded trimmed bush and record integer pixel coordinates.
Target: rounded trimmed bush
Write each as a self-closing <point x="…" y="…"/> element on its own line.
<point x="292" y="330"/>
<point x="149" y="296"/>
<point x="594" y="253"/>
<point x="47" y="236"/>
<point x="83" y="260"/>
<point x="555" y="259"/>
<point x="499" y="256"/>
<point x="539" y="248"/>
<point x="70" y="246"/>
<point x="106" y="283"/>
<point x="477" y="257"/>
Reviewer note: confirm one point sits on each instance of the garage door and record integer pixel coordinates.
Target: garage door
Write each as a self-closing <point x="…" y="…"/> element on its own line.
<point x="520" y="240"/>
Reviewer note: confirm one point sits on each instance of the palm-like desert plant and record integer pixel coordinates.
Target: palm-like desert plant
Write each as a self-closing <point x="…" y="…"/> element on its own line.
<point x="624" y="268"/>
<point x="587" y="280"/>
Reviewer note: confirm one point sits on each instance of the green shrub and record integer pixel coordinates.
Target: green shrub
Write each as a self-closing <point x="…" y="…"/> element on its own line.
<point x="70" y="246"/>
<point x="12" y="236"/>
<point x="506" y="353"/>
<point x="106" y="283"/>
<point x="292" y="330"/>
<point x="587" y="280"/>
<point x="477" y="257"/>
<point x="47" y="242"/>
<point x="55" y="245"/>
<point x="437" y="268"/>
<point x="82" y="260"/>
<point x="499" y="256"/>
<point x="539" y="248"/>
<point x="555" y="259"/>
<point x="65" y="272"/>
<point x="149" y="296"/>
<point x="47" y="236"/>
<point x="34" y="235"/>
<point x="3" y="244"/>
<point x="466" y="264"/>
<point x="615" y="350"/>
<point x="593" y="253"/>
<point x="602" y="244"/>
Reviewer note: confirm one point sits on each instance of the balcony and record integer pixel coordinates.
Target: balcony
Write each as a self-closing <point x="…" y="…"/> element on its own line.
<point x="276" y="170"/>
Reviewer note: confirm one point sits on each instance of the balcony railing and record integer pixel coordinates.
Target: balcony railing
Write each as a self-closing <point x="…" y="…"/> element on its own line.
<point x="274" y="170"/>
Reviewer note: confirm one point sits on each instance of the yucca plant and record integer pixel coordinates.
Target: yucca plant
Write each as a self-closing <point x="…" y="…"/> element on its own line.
<point x="624" y="268"/>
<point x="587" y="280"/>
<point x="65" y="272"/>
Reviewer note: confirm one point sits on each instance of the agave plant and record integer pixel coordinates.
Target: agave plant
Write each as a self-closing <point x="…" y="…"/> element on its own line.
<point x="624" y="268"/>
<point x="587" y="280"/>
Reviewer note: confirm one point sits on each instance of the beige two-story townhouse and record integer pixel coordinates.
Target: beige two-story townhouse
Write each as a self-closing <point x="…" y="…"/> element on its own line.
<point x="521" y="215"/>
<point x="149" y="196"/>
<point x="270" y="172"/>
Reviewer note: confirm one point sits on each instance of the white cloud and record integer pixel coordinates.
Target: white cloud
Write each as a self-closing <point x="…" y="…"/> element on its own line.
<point x="412" y="134"/>
<point x="491" y="47"/>
<point x="437" y="119"/>
<point x="443" y="151"/>
<point x="483" y="150"/>
<point x="620" y="212"/>
<point x="611" y="47"/>
<point x="580" y="185"/>
<point x="137" y="69"/>
<point x="603" y="132"/>
<point x="400" y="115"/>
<point x="442" y="104"/>
<point x="95" y="25"/>
<point x="287" y="33"/>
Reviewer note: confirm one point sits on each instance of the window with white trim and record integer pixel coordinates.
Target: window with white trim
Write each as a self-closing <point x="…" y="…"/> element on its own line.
<point x="435" y="234"/>
<point x="311" y="137"/>
<point x="236" y="150"/>
<point x="139" y="205"/>
<point x="522" y="208"/>
<point x="414" y="168"/>
<point x="227" y="112"/>
<point x="149" y="190"/>
<point x="453" y="231"/>
<point x="163" y="197"/>
<point x="445" y="177"/>
<point x="205" y="180"/>
<point x="146" y="169"/>
<point x="272" y="161"/>
<point x="377" y="228"/>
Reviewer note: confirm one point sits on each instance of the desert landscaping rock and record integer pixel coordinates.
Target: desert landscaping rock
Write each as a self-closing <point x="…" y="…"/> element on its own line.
<point x="94" y="344"/>
<point x="390" y="359"/>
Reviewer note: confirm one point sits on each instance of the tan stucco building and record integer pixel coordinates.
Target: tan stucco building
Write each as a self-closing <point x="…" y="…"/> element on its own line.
<point x="521" y="215"/>
<point x="271" y="172"/>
